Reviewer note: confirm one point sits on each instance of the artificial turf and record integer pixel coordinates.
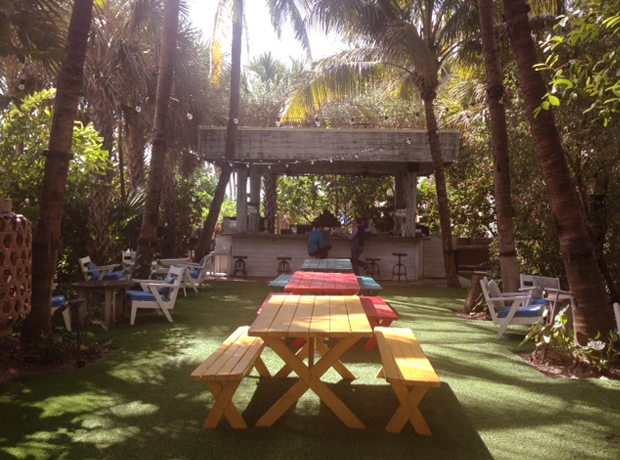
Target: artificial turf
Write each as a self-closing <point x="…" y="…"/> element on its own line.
<point x="141" y="403"/>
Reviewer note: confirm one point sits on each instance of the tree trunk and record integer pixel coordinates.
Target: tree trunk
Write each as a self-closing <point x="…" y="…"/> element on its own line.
<point x="148" y="231"/>
<point x="203" y="245"/>
<point x="46" y="240"/>
<point x="452" y="278"/>
<point x="508" y="262"/>
<point x="271" y="201"/>
<point x="593" y="314"/>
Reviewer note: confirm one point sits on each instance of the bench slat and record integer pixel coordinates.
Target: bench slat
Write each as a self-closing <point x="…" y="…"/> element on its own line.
<point x="403" y="359"/>
<point x="233" y="359"/>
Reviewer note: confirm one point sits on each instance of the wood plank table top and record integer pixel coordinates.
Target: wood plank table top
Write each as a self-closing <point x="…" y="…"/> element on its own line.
<point x="319" y="283"/>
<point x="327" y="265"/>
<point x="314" y="318"/>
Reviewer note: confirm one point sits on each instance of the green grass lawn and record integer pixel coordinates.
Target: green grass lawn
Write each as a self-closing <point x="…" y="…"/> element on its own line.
<point x="141" y="403"/>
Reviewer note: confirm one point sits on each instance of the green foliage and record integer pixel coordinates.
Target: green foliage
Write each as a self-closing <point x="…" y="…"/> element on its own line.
<point x="559" y="337"/>
<point x="584" y="60"/>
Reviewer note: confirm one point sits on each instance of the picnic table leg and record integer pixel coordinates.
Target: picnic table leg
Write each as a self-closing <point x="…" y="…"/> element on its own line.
<point x="302" y="354"/>
<point x="408" y="410"/>
<point x="310" y="379"/>
<point x="371" y="344"/>
<point x="223" y="405"/>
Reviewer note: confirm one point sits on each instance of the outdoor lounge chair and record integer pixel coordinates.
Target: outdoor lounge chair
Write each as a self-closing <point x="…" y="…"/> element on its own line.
<point x="509" y="307"/>
<point x="92" y="271"/>
<point x="196" y="274"/>
<point x="546" y="291"/>
<point x="160" y="296"/>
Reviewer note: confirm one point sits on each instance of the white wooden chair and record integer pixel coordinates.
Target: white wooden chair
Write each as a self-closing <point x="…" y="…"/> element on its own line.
<point x="59" y="301"/>
<point x="617" y="313"/>
<point x="160" y="296"/>
<point x="92" y="271"/>
<point x="546" y="291"/>
<point x="196" y="274"/>
<point x="128" y="259"/>
<point x="509" y="307"/>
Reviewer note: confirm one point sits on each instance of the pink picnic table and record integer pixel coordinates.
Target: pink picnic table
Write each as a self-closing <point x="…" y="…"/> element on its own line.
<point x="321" y="283"/>
<point x="379" y="313"/>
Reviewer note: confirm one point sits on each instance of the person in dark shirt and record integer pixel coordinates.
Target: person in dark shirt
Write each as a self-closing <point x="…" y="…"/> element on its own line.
<point x="357" y="244"/>
<point x="317" y="247"/>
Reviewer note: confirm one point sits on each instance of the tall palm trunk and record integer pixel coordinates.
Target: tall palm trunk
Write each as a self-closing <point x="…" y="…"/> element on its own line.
<point x="271" y="201"/>
<point x="452" y="278"/>
<point x="202" y="247"/>
<point x="148" y="231"/>
<point x="46" y="240"/>
<point x="508" y="262"/>
<point x="593" y="314"/>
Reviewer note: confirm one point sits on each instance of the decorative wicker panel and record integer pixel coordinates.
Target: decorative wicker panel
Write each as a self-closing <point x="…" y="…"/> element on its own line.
<point x="15" y="267"/>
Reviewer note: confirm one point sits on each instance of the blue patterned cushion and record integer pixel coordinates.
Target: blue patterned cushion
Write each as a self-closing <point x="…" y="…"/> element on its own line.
<point x="114" y="276"/>
<point x="94" y="275"/>
<point x="58" y="301"/>
<point x="140" y="296"/>
<point x="522" y="312"/>
<point x="194" y="273"/>
<point x="164" y="291"/>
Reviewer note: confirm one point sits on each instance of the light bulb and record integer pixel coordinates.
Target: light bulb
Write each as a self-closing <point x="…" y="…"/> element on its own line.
<point x="189" y="115"/>
<point x="235" y="120"/>
<point x="138" y="108"/>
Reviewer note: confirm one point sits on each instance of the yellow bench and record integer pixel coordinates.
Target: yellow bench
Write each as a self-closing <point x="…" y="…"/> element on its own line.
<point x="223" y="371"/>
<point x="408" y="370"/>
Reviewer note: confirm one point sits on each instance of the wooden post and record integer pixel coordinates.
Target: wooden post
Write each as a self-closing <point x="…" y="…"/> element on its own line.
<point x="400" y="202"/>
<point x="242" y="199"/>
<point x="254" y="205"/>
<point x="412" y="195"/>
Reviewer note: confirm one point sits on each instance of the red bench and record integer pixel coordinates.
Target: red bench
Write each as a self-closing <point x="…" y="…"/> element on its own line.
<point x="379" y="314"/>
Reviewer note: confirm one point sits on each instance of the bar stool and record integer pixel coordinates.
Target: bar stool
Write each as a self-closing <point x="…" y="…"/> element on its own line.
<point x="373" y="269"/>
<point x="240" y="266"/>
<point x="283" y="266"/>
<point x="399" y="269"/>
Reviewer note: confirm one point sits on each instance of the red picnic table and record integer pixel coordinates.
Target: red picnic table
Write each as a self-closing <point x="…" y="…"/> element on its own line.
<point x="323" y="283"/>
<point x="379" y="313"/>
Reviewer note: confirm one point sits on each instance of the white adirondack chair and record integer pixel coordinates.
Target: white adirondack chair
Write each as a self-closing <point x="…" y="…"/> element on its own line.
<point x="59" y="301"/>
<point x="546" y="291"/>
<point x="509" y="307"/>
<point x="99" y="272"/>
<point x="160" y="296"/>
<point x="617" y="313"/>
<point x="196" y="274"/>
<point x="128" y="259"/>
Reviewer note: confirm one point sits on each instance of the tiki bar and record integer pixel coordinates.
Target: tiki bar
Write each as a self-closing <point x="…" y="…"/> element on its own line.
<point x="264" y="153"/>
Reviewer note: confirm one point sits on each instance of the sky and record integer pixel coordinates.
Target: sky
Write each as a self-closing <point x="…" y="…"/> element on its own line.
<point x="262" y="38"/>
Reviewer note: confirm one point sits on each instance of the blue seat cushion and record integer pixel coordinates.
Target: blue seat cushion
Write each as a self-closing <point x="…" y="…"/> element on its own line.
<point x="164" y="291"/>
<point x="540" y="302"/>
<point x="141" y="296"/>
<point x="58" y="301"/>
<point x="194" y="273"/>
<point x="94" y="275"/>
<point x="530" y="311"/>
<point x="114" y="276"/>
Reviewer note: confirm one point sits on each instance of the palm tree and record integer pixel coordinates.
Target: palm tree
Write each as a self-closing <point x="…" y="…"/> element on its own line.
<point x="403" y="42"/>
<point x="508" y="262"/>
<point x="592" y="315"/>
<point x="148" y="230"/>
<point x="46" y="240"/>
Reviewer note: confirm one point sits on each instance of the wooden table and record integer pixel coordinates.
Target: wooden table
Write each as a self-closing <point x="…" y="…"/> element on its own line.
<point x="327" y="265"/>
<point x="317" y="283"/>
<point x="110" y="289"/>
<point x="314" y="318"/>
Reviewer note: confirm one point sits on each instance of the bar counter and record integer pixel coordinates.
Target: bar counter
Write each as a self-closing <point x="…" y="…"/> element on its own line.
<point x="263" y="249"/>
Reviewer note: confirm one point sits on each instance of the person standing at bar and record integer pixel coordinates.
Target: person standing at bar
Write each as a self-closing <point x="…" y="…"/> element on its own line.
<point x="357" y="244"/>
<point x="317" y="247"/>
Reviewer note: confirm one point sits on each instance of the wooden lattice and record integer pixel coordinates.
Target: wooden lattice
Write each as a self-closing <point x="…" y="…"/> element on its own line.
<point x="15" y="267"/>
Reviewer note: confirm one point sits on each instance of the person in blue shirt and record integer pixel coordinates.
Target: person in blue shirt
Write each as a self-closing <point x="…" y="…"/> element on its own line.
<point x="316" y="244"/>
<point x="357" y="244"/>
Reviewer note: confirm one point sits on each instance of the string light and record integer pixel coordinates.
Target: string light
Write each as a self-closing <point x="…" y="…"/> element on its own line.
<point x="138" y="108"/>
<point x="22" y="85"/>
<point x="278" y="122"/>
<point x="409" y="140"/>
<point x="189" y="116"/>
<point x="235" y="120"/>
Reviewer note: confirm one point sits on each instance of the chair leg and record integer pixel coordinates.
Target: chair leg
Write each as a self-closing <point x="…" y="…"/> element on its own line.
<point x="134" y="310"/>
<point x="66" y="315"/>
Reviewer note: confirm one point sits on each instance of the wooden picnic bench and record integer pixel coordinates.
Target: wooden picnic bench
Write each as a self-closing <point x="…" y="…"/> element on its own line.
<point x="280" y="282"/>
<point x="379" y="314"/>
<point x="223" y="371"/>
<point x="408" y="370"/>
<point x="368" y="286"/>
